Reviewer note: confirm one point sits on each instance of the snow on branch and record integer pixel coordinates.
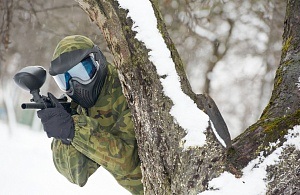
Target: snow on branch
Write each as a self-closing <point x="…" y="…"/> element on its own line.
<point x="254" y="180"/>
<point x="185" y="112"/>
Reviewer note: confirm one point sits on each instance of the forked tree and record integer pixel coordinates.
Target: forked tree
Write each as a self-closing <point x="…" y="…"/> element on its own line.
<point x="172" y="160"/>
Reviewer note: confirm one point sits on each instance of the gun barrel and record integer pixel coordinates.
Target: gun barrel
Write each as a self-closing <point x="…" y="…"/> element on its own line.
<point x="66" y="105"/>
<point x="33" y="106"/>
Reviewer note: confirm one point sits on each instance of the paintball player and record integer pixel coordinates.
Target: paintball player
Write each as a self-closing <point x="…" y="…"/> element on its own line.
<point x="99" y="131"/>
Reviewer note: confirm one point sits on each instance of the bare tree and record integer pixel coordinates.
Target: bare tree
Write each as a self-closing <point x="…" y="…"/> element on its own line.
<point x="167" y="167"/>
<point x="210" y="36"/>
<point x="30" y="31"/>
<point x="6" y="17"/>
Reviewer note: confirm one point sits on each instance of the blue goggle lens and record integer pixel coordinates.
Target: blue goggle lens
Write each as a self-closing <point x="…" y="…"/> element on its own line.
<point x="83" y="72"/>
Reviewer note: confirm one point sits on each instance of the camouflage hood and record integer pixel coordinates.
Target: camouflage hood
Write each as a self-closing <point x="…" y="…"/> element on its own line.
<point x="71" y="43"/>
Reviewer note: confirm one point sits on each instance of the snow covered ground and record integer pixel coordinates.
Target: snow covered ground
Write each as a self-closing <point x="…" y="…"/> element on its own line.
<point x="27" y="168"/>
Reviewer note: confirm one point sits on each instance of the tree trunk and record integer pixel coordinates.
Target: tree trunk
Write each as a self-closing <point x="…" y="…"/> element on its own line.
<point x="280" y="115"/>
<point x="169" y="167"/>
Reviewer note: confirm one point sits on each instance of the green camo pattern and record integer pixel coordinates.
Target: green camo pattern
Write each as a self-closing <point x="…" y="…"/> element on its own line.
<point x="71" y="43"/>
<point x="104" y="135"/>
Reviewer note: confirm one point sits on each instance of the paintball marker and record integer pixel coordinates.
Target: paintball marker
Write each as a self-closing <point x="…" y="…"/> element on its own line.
<point x="32" y="78"/>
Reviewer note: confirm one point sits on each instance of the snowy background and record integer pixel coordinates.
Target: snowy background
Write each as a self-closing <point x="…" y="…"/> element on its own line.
<point x="236" y="83"/>
<point x="27" y="168"/>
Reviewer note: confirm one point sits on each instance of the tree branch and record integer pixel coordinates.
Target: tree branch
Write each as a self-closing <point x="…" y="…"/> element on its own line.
<point x="164" y="162"/>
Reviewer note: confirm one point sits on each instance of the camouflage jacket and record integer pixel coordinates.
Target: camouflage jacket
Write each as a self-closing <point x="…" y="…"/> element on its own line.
<point x="104" y="136"/>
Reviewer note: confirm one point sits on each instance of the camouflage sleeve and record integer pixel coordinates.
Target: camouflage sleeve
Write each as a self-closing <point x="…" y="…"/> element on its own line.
<point x="112" y="151"/>
<point x="76" y="167"/>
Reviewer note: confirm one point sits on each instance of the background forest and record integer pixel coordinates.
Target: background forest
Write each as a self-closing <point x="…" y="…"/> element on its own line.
<point x="230" y="49"/>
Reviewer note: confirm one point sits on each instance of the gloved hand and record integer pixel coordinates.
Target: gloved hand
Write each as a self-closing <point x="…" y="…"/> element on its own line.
<point x="57" y="122"/>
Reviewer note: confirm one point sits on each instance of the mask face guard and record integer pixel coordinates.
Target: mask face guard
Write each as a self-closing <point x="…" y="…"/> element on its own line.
<point x="68" y="60"/>
<point x="84" y="72"/>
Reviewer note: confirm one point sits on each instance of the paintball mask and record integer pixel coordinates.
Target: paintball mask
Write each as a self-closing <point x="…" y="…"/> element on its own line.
<point x="81" y="74"/>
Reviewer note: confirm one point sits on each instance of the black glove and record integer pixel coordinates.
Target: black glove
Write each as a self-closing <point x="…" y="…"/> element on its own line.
<point x="57" y="122"/>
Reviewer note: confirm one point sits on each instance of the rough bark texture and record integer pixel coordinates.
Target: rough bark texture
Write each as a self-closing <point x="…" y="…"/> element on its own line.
<point x="285" y="96"/>
<point x="167" y="168"/>
<point x="281" y="114"/>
